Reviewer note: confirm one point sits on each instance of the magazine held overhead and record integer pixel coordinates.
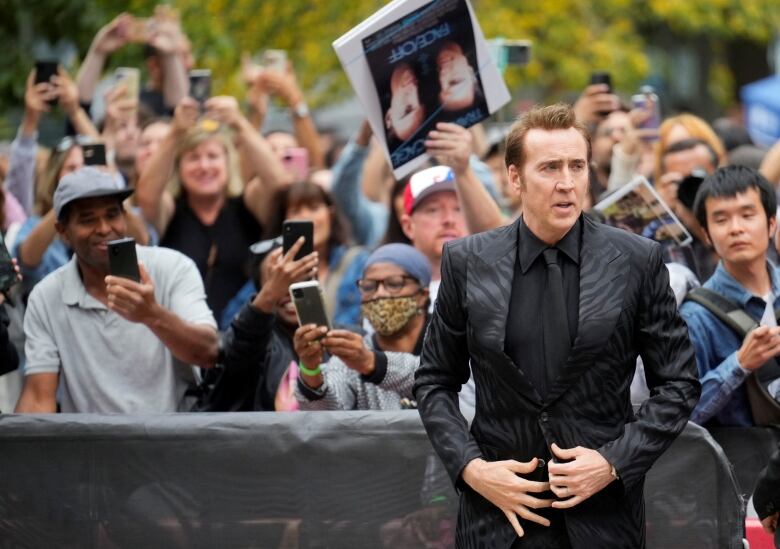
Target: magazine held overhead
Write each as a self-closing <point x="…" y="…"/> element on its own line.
<point x="415" y="63"/>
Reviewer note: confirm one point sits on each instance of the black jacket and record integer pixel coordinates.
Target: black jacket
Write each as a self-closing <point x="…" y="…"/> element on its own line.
<point x="766" y="497"/>
<point x="257" y="353"/>
<point x="626" y="308"/>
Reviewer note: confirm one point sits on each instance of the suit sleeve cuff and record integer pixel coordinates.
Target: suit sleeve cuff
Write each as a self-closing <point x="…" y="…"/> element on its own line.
<point x="380" y="369"/>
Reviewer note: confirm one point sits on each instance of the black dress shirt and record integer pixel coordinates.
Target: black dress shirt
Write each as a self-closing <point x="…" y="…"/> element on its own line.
<point x="524" y="343"/>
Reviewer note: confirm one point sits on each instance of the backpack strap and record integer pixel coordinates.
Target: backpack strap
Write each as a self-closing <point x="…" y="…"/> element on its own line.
<point x="724" y="309"/>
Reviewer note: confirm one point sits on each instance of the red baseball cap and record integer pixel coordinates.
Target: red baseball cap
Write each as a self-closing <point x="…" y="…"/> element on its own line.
<point x="425" y="183"/>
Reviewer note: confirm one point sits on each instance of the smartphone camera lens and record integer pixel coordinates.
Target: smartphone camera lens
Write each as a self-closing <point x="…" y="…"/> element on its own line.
<point x="297" y="294"/>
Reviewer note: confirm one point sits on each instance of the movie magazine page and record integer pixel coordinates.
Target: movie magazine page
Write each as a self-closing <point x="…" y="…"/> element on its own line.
<point x="415" y="63"/>
<point x="638" y="208"/>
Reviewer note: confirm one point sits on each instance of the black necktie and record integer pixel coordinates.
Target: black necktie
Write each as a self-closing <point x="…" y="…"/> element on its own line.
<point x="555" y="321"/>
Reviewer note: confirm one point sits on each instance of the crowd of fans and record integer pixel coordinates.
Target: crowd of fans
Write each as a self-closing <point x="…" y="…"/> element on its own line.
<point x="204" y="192"/>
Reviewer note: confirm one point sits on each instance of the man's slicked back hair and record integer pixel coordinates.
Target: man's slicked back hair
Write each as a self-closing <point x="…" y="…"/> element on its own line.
<point x="551" y="117"/>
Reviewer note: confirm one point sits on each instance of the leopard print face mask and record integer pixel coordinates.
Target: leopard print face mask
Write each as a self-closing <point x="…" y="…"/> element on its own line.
<point x="389" y="315"/>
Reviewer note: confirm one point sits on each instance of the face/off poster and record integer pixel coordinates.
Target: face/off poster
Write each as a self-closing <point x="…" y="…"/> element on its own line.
<point x="425" y="70"/>
<point x="416" y="63"/>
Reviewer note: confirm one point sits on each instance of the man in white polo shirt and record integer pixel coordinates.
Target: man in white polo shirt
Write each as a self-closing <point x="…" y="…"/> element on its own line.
<point x="104" y="344"/>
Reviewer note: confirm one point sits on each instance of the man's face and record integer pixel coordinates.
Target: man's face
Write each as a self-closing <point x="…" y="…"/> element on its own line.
<point x="609" y="132"/>
<point x="91" y="224"/>
<point x="456" y="78"/>
<point x="738" y="227"/>
<point x="436" y="220"/>
<point x="406" y="113"/>
<point x="684" y="162"/>
<point x="553" y="182"/>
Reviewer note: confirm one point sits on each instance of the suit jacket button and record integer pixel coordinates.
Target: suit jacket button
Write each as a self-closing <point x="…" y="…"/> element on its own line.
<point x="543" y="416"/>
<point x="541" y="463"/>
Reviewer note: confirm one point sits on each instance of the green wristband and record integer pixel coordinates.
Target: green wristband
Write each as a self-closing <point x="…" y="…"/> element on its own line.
<point x="311" y="373"/>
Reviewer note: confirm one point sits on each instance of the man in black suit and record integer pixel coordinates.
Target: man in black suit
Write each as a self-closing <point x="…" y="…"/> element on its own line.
<point x="551" y="313"/>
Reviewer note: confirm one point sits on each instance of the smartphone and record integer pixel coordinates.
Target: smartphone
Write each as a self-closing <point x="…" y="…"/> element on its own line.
<point x="200" y="85"/>
<point x="94" y="154"/>
<point x="648" y="100"/>
<point x="309" y="302"/>
<point x="44" y="70"/>
<point x="122" y="259"/>
<point x="292" y="231"/>
<point x="296" y="162"/>
<point x="601" y="77"/>
<point x="8" y="275"/>
<point x="131" y="78"/>
<point x="275" y="60"/>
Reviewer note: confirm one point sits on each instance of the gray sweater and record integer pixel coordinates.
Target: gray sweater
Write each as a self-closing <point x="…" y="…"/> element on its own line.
<point x="346" y="389"/>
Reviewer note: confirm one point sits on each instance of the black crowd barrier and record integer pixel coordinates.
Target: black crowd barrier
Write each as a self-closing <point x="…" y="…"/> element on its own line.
<point x="288" y="480"/>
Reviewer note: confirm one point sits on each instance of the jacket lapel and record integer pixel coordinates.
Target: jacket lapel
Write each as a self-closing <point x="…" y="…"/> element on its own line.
<point x="603" y="279"/>
<point x="489" y="288"/>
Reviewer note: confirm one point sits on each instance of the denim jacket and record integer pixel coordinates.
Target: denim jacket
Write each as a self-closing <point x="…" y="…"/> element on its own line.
<point x="724" y="399"/>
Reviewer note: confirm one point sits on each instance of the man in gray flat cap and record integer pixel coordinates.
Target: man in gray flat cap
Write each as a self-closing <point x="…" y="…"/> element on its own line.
<point x="106" y="344"/>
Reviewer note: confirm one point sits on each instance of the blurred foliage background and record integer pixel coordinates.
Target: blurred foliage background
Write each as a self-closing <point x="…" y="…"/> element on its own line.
<point x="570" y="39"/>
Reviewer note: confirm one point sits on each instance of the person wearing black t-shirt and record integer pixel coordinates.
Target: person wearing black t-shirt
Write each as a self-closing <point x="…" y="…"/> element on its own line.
<point x="205" y="210"/>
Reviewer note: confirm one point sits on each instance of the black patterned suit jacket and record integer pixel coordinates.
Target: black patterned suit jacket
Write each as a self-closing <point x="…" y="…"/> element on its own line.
<point x="626" y="308"/>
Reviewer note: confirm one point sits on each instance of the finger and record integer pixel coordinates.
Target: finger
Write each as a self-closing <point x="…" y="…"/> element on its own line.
<point x="124" y="295"/>
<point x="594" y="89"/>
<point x="565" y="453"/>
<point x="512" y="518"/>
<point x="527" y="514"/>
<point x="568" y="503"/>
<point x="145" y="278"/>
<point x="522" y="466"/>
<point x="288" y="257"/>
<point x="120" y="282"/>
<point x="534" y="502"/>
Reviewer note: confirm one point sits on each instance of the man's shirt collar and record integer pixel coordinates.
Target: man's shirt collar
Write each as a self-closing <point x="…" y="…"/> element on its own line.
<point x="530" y="246"/>
<point x="724" y="283"/>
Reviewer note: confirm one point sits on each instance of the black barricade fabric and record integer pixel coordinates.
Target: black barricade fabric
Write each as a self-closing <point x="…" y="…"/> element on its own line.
<point x="288" y="480"/>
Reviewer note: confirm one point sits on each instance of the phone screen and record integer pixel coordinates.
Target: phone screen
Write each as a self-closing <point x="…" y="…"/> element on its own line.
<point x="200" y="85"/>
<point x="292" y="231"/>
<point x="94" y="154"/>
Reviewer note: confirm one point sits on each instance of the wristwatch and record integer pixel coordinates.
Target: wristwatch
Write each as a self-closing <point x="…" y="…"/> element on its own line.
<point x="614" y="474"/>
<point x="300" y="110"/>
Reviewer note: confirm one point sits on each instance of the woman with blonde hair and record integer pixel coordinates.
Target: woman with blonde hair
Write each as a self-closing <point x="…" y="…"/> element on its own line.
<point x="681" y="127"/>
<point x="191" y="191"/>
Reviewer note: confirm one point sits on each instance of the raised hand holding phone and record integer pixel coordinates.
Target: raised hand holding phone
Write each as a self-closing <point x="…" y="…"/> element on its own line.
<point x="279" y="271"/>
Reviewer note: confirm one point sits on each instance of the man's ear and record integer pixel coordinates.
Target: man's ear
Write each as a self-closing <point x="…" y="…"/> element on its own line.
<point x="515" y="179"/>
<point x="706" y="234"/>
<point x="772" y="227"/>
<point x="407" y="226"/>
<point x="60" y="228"/>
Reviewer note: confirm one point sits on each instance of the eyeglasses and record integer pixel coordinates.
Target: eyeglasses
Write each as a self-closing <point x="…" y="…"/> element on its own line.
<point x="393" y="284"/>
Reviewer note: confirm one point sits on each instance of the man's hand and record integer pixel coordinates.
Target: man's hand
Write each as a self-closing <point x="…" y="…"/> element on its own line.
<point x="594" y="101"/>
<point x="351" y="349"/>
<point x="113" y="35"/>
<point x="279" y="271"/>
<point x="499" y="483"/>
<point x="132" y="300"/>
<point x="307" y="343"/>
<point x="577" y="480"/>
<point x="451" y="145"/>
<point x="759" y="346"/>
<point x="770" y="523"/>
